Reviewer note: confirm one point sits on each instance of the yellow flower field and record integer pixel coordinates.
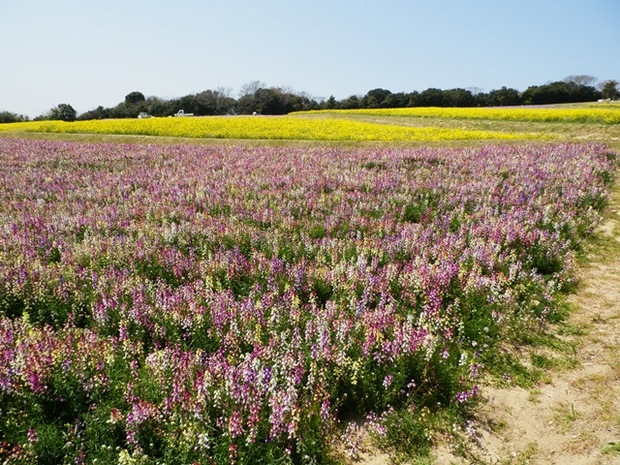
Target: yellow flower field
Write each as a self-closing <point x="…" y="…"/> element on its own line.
<point x="609" y="114"/>
<point x="262" y="127"/>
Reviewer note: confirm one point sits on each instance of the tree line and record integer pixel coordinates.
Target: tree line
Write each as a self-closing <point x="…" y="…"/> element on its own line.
<point x="257" y="98"/>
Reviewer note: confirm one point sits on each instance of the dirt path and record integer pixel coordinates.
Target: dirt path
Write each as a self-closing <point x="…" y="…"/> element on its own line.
<point x="573" y="417"/>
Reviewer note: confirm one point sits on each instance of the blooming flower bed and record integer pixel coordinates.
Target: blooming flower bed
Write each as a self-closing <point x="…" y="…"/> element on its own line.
<point x="223" y="304"/>
<point x="594" y="114"/>
<point x="256" y="127"/>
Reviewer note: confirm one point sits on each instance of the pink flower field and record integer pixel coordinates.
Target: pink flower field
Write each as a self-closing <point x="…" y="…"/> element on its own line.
<point x="200" y="304"/>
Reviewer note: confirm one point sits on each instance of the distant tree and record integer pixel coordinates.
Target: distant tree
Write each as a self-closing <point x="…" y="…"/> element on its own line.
<point x="97" y="113"/>
<point x="458" y="98"/>
<point x="134" y="103"/>
<point x="225" y="92"/>
<point x="188" y="103"/>
<point x="63" y="111"/>
<point x="134" y="98"/>
<point x="212" y="102"/>
<point x="206" y="103"/>
<point x="481" y="99"/>
<point x="504" y="96"/>
<point x="255" y="96"/>
<point x="330" y="103"/>
<point x="224" y="100"/>
<point x="396" y="100"/>
<point x="559" y="92"/>
<point x="303" y="101"/>
<point x="431" y="97"/>
<point x="413" y="99"/>
<point x="554" y="92"/>
<point x="246" y="103"/>
<point x="273" y="101"/>
<point x="8" y="117"/>
<point x="383" y="98"/>
<point x="123" y="111"/>
<point x="581" y="88"/>
<point x="609" y="89"/>
<point x="374" y="98"/>
<point x="584" y="94"/>
<point x="350" y="103"/>
<point x="156" y="106"/>
<point x="533" y="95"/>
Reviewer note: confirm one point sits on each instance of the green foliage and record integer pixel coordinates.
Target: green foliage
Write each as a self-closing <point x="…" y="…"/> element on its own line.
<point x="420" y="208"/>
<point x="8" y="117"/>
<point x="274" y="101"/>
<point x="407" y="433"/>
<point x="509" y="369"/>
<point x="317" y="231"/>
<point x="559" y="92"/>
<point x="376" y="98"/>
<point x="66" y="112"/>
<point x="413" y="212"/>
<point x="503" y="96"/>
<point x="50" y="444"/>
<point x="431" y="97"/>
<point x="62" y="112"/>
<point x="458" y="98"/>
<point x="134" y="98"/>
<point x="211" y="102"/>
<point x="609" y="89"/>
<point x="98" y="113"/>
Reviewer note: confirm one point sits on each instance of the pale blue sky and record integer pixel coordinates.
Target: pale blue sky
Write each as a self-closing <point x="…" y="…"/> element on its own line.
<point x="88" y="53"/>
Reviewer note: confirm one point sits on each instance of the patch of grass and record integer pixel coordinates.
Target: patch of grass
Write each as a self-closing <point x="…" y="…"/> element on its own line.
<point x="562" y="362"/>
<point x="507" y="368"/>
<point x="541" y="337"/>
<point x="611" y="448"/>
<point x="572" y="329"/>
<point x="599" y="383"/>
<point x="603" y="245"/>
<point x="412" y="432"/>
<point x="407" y="436"/>
<point x="607" y="410"/>
<point x="583" y="443"/>
<point x="542" y="361"/>
<point x="565" y="415"/>
<point x="534" y="396"/>
<point x="524" y="457"/>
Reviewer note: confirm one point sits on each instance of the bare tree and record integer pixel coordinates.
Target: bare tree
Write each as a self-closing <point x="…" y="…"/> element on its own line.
<point x="581" y="79"/>
<point x="475" y="90"/>
<point x="224" y="92"/>
<point x="251" y="87"/>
